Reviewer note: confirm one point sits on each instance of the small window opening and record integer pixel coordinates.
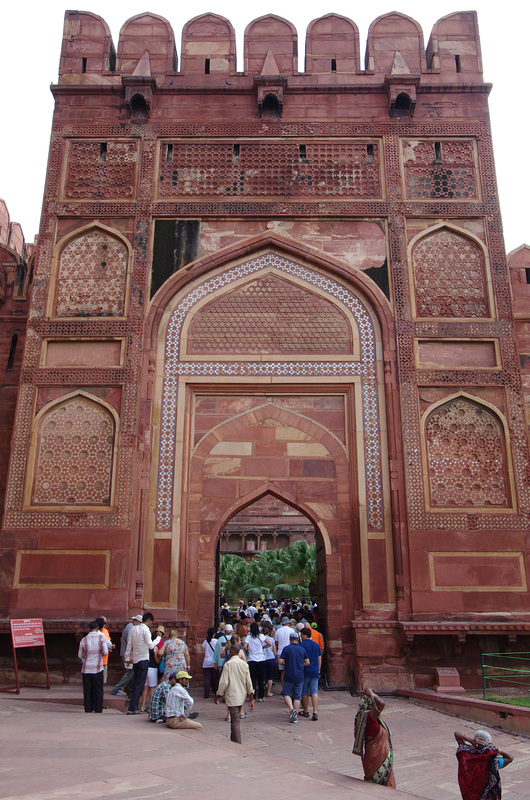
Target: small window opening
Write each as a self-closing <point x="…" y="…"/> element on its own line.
<point x="527" y="271"/>
<point x="302" y="149"/>
<point x="438" y="159"/>
<point x="169" y="153"/>
<point x="236" y="152"/>
<point x="271" y="107"/>
<point x="83" y="65"/>
<point x="206" y="66"/>
<point x="402" y="107"/>
<point x="458" y="64"/>
<point x="139" y="107"/>
<point x="12" y="349"/>
<point x="103" y="151"/>
<point x="370" y="153"/>
<point x="333" y="64"/>
<point x="112" y="60"/>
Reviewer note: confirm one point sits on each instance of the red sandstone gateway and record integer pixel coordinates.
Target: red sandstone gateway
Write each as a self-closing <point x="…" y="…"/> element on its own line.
<point x="274" y="290"/>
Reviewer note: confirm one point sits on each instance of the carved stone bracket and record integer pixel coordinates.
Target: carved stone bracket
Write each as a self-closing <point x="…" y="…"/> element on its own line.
<point x="273" y="86"/>
<point x="461" y="630"/>
<point x="401" y="91"/>
<point x="139" y="90"/>
<point x="458" y="630"/>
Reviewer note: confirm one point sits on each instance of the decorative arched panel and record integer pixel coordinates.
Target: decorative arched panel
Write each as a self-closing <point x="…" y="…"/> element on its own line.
<point x="270" y="315"/>
<point x="149" y="32"/>
<point x="449" y="273"/>
<point x="395" y="33"/>
<point x="363" y="364"/>
<point x="74" y="455"/>
<point x="208" y="46"/>
<point x="466" y="456"/>
<point x="92" y="275"/>
<point x="275" y="35"/>
<point x="332" y="45"/>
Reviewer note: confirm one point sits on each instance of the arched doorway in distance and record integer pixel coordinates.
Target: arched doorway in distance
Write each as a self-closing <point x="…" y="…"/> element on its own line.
<point x="268" y="550"/>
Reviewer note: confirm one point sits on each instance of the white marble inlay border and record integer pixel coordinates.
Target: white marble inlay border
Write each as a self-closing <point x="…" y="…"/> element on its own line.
<point x="366" y="368"/>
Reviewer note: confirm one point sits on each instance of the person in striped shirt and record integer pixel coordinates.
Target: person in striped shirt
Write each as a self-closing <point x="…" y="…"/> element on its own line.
<point x="157" y="706"/>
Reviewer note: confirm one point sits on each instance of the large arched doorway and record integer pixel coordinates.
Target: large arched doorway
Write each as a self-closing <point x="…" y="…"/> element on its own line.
<point x="269" y="380"/>
<point x="268" y="526"/>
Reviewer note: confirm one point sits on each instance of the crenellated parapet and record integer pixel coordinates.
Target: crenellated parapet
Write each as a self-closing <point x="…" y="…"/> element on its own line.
<point x="395" y="42"/>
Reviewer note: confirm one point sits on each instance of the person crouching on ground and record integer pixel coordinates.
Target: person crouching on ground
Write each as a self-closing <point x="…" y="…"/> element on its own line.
<point x="372" y="741"/>
<point x="157" y="706"/>
<point x="479" y="762"/>
<point x="294" y="660"/>
<point x="179" y="703"/>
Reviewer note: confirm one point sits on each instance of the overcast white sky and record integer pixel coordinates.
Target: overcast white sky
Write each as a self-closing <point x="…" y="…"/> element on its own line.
<point x="29" y="59"/>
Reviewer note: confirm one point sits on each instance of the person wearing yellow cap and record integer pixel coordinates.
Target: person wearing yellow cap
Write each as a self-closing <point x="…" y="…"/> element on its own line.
<point x="179" y="703"/>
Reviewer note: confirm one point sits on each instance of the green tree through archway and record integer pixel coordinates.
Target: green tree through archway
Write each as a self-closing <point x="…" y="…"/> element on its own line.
<point x="287" y="572"/>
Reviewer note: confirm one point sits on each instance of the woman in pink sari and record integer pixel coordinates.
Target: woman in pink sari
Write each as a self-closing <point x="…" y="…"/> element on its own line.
<point x="372" y="741"/>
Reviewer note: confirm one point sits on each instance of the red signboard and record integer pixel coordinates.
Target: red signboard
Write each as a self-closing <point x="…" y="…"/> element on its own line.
<point x="27" y="633"/>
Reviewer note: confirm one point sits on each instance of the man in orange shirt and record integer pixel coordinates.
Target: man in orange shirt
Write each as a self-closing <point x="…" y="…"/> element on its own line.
<point x="102" y="622"/>
<point x="315" y="635"/>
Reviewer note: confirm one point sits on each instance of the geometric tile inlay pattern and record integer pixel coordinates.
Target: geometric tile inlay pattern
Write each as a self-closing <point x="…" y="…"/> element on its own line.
<point x="101" y="170"/>
<point x="269" y="315"/>
<point x="449" y="276"/>
<point x="365" y="368"/>
<point x="74" y="455"/>
<point x="254" y="169"/>
<point x="465" y="455"/>
<point x="439" y="170"/>
<point x="92" y="276"/>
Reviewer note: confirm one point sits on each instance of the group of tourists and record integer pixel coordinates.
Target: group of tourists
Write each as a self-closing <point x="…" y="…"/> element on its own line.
<point x="243" y="660"/>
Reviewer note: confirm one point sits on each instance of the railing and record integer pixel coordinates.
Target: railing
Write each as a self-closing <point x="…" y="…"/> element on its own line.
<point x="509" y="670"/>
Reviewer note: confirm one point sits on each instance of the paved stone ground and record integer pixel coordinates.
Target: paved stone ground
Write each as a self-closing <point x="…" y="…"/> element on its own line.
<point x="57" y="752"/>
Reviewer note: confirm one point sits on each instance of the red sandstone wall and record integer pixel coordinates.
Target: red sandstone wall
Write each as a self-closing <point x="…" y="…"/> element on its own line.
<point x="14" y="278"/>
<point x="345" y="169"/>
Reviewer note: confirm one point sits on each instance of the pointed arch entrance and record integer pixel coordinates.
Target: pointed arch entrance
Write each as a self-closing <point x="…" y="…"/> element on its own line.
<point x="290" y="401"/>
<point x="269" y="524"/>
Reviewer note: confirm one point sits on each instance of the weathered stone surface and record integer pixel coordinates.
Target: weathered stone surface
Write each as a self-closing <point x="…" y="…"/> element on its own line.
<point x="328" y="330"/>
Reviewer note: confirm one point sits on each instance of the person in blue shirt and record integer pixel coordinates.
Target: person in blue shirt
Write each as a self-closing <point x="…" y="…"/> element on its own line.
<point x="294" y="659"/>
<point x="311" y="673"/>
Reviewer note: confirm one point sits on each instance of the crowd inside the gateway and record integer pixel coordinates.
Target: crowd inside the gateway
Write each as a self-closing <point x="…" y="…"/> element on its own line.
<point x="250" y="650"/>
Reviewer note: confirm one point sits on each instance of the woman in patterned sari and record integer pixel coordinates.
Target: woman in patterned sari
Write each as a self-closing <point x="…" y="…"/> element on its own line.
<point x="176" y="655"/>
<point x="372" y="741"/>
<point x="479" y="762"/>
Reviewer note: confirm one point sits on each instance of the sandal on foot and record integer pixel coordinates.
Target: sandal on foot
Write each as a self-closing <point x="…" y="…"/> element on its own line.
<point x="303" y="713"/>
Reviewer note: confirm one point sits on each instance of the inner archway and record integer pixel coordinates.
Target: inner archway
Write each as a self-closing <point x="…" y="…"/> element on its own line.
<point x="290" y="401"/>
<point x="278" y="548"/>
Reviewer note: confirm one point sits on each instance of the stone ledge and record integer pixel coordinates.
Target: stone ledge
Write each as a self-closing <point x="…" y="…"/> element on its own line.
<point x="512" y="719"/>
